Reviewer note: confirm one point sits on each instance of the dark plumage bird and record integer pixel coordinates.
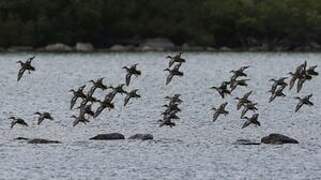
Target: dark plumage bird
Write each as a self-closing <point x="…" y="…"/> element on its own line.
<point x="86" y="109"/>
<point x="311" y="71"/>
<point x="98" y="84"/>
<point x="248" y="107"/>
<point x="252" y="120"/>
<point x="103" y="105"/>
<point x="119" y="89"/>
<point x="277" y="93"/>
<point x="177" y="58"/>
<point x="220" y="110"/>
<point x="131" y="94"/>
<point x="132" y="70"/>
<point x="43" y="116"/>
<point x="25" y="66"/>
<point x="239" y="72"/>
<point x="300" y="75"/>
<point x="234" y="83"/>
<point x="174" y="99"/>
<point x="243" y="100"/>
<point x="16" y="120"/>
<point x="173" y="72"/>
<point x="80" y="119"/>
<point x="303" y="101"/>
<point x="278" y="82"/>
<point x="88" y="98"/>
<point x="77" y="94"/>
<point x="222" y="90"/>
<point x="166" y="122"/>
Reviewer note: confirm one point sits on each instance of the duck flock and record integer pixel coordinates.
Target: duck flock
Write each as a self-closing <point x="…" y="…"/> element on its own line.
<point x="88" y="106"/>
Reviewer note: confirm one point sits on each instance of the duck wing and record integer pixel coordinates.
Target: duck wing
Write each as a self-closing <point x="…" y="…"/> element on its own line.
<point x="73" y="102"/>
<point x="246" y="123"/>
<point x="300" y="85"/>
<point x="169" y="78"/>
<point x="13" y="123"/>
<point x="292" y="81"/>
<point x="20" y="73"/>
<point x="40" y="119"/>
<point x="215" y="116"/>
<point x="98" y="111"/>
<point x="128" y="77"/>
<point x="126" y="100"/>
<point x="298" y="106"/>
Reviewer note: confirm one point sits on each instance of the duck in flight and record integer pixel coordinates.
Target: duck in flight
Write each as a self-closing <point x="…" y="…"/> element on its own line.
<point x="25" y="66"/>
<point x="303" y="101"/>
<point x="278" y="82"/>
<point x="248" y="106"/>
<point x="277" y="93"/>
<point x="251" y="120"/>
<point x="132" y="70"/>
<point x="131" y="94"/>
<point x="220" y="110"/>
<point x="43" y="116"/>
<point x="177" y="58"/>
<point x="239" y="72"/>
<point x="222" y="90"/>
<point x="77" y="94"/>
<point x="103" y="105"/>
<point x="243" y="100"/>
<point x="16" y="120"/>
<point x="173" y="72"/>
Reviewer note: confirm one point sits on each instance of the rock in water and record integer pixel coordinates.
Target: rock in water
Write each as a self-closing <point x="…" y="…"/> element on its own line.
<point x="21" y="138"/>
<point x="84" y="47"/>
<point x="245" y="142"/>
<point x="142" y="137"/>
<point x="42" y="141"/>
<point x="110" y="136"/>
<point x="278" y="139"/>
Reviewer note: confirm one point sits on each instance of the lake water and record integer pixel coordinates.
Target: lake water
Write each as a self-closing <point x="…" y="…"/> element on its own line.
<point x="196" y="148"/>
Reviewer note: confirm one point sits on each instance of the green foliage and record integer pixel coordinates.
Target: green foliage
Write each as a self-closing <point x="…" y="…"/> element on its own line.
<point x="233" y="23"/>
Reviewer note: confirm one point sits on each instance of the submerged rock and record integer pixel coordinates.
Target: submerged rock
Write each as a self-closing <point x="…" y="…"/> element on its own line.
<point x="21" y="138"/>
<point x="142" y="137"/>
<point x="278" y="139"/>
<point x="42" y="141"/>
<point x="110" y="136"/>
<point x="245" y="142"/>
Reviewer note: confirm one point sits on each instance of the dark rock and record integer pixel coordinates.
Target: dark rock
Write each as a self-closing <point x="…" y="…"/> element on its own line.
<point x="278" y="139"/>
<point x="142" y="137"/>
<point x="42" y="141"/>
<point x="110" y="136"/>
<point x="21" y="138"/>
<point x="245" y="142"/>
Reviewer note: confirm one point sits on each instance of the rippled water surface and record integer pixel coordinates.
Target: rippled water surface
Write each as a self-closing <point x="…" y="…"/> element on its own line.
<point x="196" y="148"/>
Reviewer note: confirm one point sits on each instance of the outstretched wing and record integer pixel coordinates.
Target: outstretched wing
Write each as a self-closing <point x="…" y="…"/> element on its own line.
<point x="73" y="101"/>
<point x="98" y="111"/>
<point x="169" y="78"/>
<point x="247" y="123"/>
<point x="20" y="73"/>
<point x="298" y="106"/>
<point x="300" y="85"/>
<point x="126" y="100"/>
<point x="128" y="77"/>
<point x="215" y="116"/>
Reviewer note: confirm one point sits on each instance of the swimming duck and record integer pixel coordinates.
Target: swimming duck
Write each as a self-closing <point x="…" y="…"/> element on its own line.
<point x="277" y="93"/>
<point x="16" y="120"/>
<point x="132" y="70"/>
<point x="131" y="94"/>
<point x="220" y="110"/>
<point x="77" y="94"/>
<point x="303" y="101"/>
<point x="43" y="116"/>
<point x="239" y="72"/>
<point x="177" y="58"/>
<point x="248" y="106"/>
<point x="25" y="66"/>
<point x="173" y="72"/>
<point x="222" y="90"/>
<point x="252" y="120"/>
<point x="103" y="105"/>
<point x="243" y="100"/>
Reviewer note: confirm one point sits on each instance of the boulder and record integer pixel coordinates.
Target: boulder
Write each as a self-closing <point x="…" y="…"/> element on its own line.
<point x="42" y="141"/>
<point x="84" y="47"/>
<point x="245" y="142"/>
<point x="159" y="44"/>
<point x="118" y="47"/>
<point x="278" y="139"/>
<point x="110" y="136"/>
<point x="142" y="137"/>
<point x="58" y="47"/>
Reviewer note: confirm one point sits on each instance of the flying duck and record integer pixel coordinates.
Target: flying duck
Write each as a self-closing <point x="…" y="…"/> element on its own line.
<point x="220" y="110"/>
<point x="251" y="120"/>
<point x="132" y="70"/>
<point x="43" y="116"/>
<point x="131" y="94"/>
<point x="16" y="120"/>
<point x="303" y="101"/>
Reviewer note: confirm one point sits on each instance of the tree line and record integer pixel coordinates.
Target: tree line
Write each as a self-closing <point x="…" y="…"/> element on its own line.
<point x="216" y="23"/>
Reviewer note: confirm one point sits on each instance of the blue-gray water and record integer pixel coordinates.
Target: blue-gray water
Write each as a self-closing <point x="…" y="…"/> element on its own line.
<point x="196" y="148"/>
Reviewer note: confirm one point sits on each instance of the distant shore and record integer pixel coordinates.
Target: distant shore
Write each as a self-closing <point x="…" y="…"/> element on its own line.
<point x="161" y="45"/>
